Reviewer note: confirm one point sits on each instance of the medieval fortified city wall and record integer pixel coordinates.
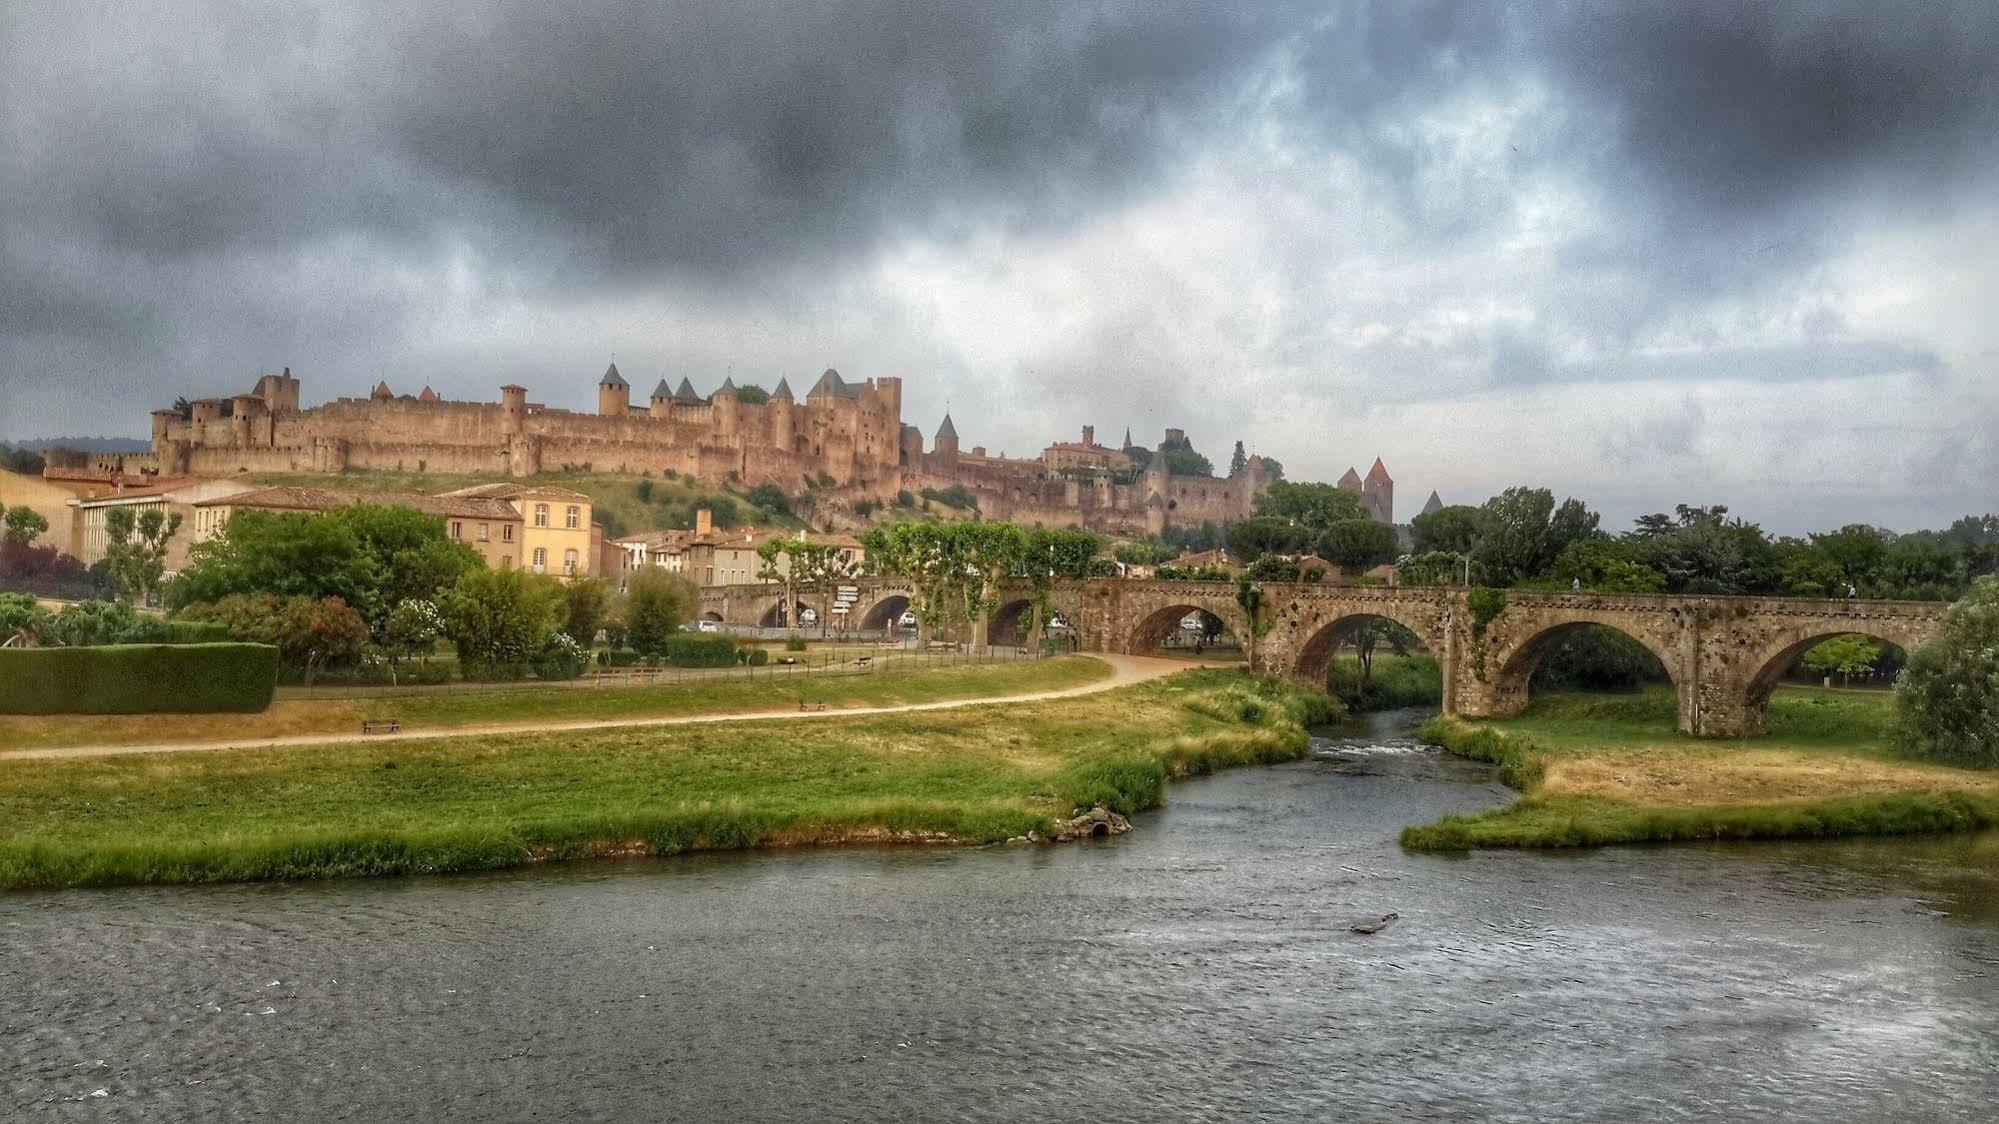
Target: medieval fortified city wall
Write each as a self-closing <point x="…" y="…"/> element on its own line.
<point x="850" y="434"/>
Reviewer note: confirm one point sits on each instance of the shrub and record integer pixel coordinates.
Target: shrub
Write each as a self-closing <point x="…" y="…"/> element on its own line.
<point x="501" y="620"/>
<point x="759" y="657"/>
<point x="1948" y="695"/>
<point x="655" y="603"/>
<point x="21" y="615"/>
<point x="563" y="658"/>
<point x="310" y="635"/>
<point x="94" y="623"/>
<point x="138" y="679"/>
<point x="794" y="643"/>
<point x="701" y="650"/>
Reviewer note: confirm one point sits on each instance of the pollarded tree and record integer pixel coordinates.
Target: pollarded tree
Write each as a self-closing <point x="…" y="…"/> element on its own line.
<point x="1948" y="695"/>
<point x="930" y="557"/>
<point x="1050" y="556"/>
<point x="992" y="552"/>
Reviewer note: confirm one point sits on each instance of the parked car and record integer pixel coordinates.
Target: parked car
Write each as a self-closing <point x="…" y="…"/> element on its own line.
<point x="808" y="615"/>
<point x="906" y="620"/>
<point x="709" y="626"/>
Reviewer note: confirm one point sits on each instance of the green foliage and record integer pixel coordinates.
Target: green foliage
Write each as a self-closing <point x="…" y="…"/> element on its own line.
<point x="21" y="616"/>
<point x="1355" y="545"/>
<point x="643" y="490"/>
<point x="138" y="679"/>
<point x="135" y="549"/>
<point x="586" y="601"/>
<point x="1454" y="530"/>
<point x="373" y="558"/>
<point x="1485" y="604"/>
<point x="1207" y="573"/>
<point x="93" y="623"/>
<point x="1525" y="531"/>
<point x="22" y="525"/>
<point x="794" y="644"/>
<point x="1948" y="695"/>
<point x="1254" y="538"/>
<point x="752" y="395"/>
<point x="769" y="497"/>
<point x="1271" y="568"/>
<point x="1315" y="506"/>
<point x="309" y="633"/>
<point x="1390" y="683"/>
<point x="1238" y="460"/>
<point x="1844" y="656"/>
<point x="656" y="602"/>
<point x="1187" y="462"/>
<point x="561" y="658"/>
<point x="1595" y="658"/>
<point x="1438" y="567"/>
<point x="956" y="496"/>
<point x="904" y="499"/>
<point x="699" y="649"/>
<point x="411" y="629"/>
<point x="502" y="620"/>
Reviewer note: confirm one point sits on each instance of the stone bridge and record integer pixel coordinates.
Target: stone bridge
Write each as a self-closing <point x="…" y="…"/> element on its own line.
<point x="1724" y="655"/>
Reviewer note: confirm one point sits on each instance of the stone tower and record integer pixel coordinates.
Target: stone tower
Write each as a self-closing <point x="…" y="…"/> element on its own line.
<point x="783" y="423"/>
<point x="1377" y="493"/>
<point x="614" y="394"/>
<point x="947" y="441"/>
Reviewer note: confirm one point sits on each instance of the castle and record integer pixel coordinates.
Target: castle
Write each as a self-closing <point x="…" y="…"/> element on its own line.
<point x="844" y="440"/>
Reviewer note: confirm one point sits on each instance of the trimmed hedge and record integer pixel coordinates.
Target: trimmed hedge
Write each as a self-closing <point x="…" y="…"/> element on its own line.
<point x="138" y="679"/>
<point x="194" y="632"/>
<point x="701" y="650"/>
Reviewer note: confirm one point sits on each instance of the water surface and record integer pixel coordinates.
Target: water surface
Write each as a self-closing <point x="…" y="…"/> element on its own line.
<point x="1199" y="968"/>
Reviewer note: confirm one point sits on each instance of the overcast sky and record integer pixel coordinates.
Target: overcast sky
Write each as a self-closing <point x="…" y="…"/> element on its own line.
<point x="1641" y="253"/>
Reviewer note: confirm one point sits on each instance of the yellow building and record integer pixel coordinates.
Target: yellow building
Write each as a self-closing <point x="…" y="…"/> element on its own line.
<point x="490" y="526"/>
<point x="557" y="535"/>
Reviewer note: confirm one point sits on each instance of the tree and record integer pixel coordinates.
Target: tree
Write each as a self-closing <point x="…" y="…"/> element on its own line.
<point x="1948" y="695"/>
<point x="23" y="525"/>
<point x="1187" y="462"/>
<point x="1238" y="460"/>
<point x="1251" y="539"/>
<point x="1844" y="656"/>
<point x="780" y="564"/>
<point x="992" y="552"/>
<point x="1357" y="545"/>
<point x="1457" y="529"/>
<point x="769" y="497"/>
<point x="90" y="623"/>
<point x="1311" y="505"/>
<point x="501" y="620"/>
<point x="1052" y="555"/>
<point x="411" y="630"/>
<point x="928" y="556"/>
<point x="22" y="618"/>
<point x="309" y="633"/>
<point x="136" y="551"/>
<point x="584" y="603"/>
<point x="656" y="601"/>
<point x="1526" y="531"/>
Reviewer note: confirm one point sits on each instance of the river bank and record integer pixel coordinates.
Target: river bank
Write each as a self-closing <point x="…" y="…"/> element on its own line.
<point x="976" y="774"/>
<point x="1596" y="770"/>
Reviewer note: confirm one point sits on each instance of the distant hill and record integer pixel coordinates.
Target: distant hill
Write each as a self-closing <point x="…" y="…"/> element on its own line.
<point x="83" y="444"/>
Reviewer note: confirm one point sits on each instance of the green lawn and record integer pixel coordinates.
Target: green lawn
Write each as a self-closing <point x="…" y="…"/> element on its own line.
<point x="1596" y="769"/>
<point x="977" y="774"/>
<point x="446" y="707"/>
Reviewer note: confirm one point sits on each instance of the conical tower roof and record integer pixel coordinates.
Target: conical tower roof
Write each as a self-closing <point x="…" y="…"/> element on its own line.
<point x="947" y="429"/>
<point x="612" y="377"/>
<point x="382" y="390"/>
<point x="1434" y="504"/>
<point x="1350" y="481"/>
<point x="728" y="386"/>
<point x="685" y="392"/>
<point x="783" y="389"/>
<point x="1379" y="473"/>
<point x="662" y="390"/>
<point x="428" y="395"/>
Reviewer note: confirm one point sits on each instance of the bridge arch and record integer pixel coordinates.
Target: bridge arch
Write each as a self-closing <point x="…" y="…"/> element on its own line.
<point x="712" y="615"/>
<point x="1309" y="666"/>
<point x="1764" y="669"/>
<point x="1152" y="628"/>
<point x="882" y="615"/>
<point x="1010" y="623"/>
<point x="1511" y="668"/>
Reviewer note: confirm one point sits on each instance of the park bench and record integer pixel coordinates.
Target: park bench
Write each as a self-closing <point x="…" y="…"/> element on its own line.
<point x="865" y="661"/>
<point x="816" y="705"/>
<point x="787" y="660"/>
<point x="381" y="725"/>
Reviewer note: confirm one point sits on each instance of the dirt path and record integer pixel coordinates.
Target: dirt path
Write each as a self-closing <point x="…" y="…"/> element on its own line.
<point x="1125" y="670"/>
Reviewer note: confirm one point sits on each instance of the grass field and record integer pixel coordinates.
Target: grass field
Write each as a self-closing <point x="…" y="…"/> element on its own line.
<point x="420" y="708"/>
<point x="1597" y="769"/>
<point x="974" y="775"/>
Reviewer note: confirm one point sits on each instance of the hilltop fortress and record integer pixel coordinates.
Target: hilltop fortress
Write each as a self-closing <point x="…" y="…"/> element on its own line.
<point x="844" y="440"/>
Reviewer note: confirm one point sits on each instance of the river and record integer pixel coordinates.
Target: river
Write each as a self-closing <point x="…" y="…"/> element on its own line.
<point x="1198" y="968"/>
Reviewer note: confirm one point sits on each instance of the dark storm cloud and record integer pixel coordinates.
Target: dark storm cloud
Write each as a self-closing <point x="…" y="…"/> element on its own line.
<point x="188" y="190"/>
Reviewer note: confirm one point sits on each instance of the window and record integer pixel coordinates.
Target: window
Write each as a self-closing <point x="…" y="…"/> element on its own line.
<point x="540" y="559"/>
<point x="569" y="561"/>
<point x="572" y="517"/>
<point x="457" y="529"/>
<point x="541" y="515"/>
<point x="506" y="532"/>
<point x="485" y="531"/>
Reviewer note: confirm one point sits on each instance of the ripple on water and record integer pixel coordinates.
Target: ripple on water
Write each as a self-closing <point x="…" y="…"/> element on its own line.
<point x="1199" y="967"/>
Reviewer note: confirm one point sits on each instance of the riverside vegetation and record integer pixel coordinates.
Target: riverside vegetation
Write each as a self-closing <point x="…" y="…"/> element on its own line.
<point x="1596" y="769"/>
<point x="973" y="775"/>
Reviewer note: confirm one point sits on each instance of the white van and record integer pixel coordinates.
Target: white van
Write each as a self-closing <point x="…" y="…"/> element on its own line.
<point x="709" y="626"/>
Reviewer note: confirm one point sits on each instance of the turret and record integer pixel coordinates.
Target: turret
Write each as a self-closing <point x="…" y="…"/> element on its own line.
<point x="513" y="408"/>
<point x="1378" y="493"/>
<point x="614" y="394"/>
<point x="728" y="408"/>
<point x="783" y="423"/>
<point x="947" y="441"/>
<point x="662" y="400"/>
